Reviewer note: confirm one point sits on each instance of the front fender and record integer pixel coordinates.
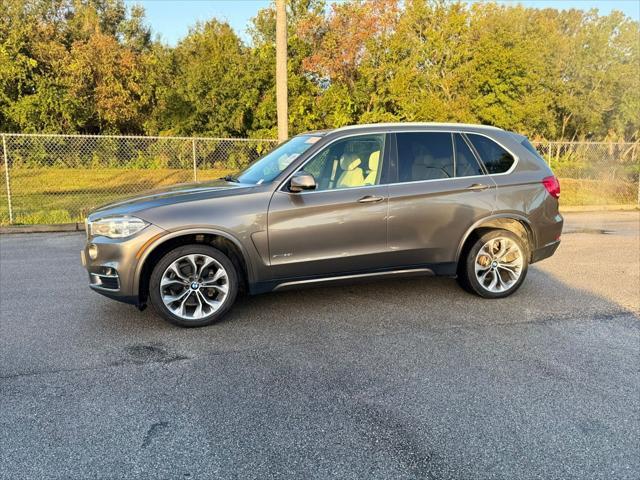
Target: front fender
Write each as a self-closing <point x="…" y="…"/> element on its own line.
<point x="162" y="238"/>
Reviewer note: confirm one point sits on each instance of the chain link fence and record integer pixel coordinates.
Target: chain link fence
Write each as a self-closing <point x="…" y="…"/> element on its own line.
<point x="59" y="178"/>
<point x="595" y="173"/>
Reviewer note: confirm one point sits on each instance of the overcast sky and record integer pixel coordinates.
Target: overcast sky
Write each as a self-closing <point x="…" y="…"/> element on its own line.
<point x="172" y="18"/>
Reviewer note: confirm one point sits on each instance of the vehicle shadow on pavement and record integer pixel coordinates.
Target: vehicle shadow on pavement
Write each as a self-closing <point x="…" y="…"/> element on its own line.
<point x="385" y="306"/>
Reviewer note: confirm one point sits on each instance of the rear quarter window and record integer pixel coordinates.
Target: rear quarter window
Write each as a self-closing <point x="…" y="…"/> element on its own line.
<point x="529" y="146"/>
<point x="495" y="158"/>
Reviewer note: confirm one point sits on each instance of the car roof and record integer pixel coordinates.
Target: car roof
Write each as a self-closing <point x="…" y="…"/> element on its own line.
<point x="404" y="125"/>
<point x="418" y="124"/>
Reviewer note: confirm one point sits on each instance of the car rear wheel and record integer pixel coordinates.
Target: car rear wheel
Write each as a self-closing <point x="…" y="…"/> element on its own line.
<point x="496" y="264"/>
<point x="193" y="285"/>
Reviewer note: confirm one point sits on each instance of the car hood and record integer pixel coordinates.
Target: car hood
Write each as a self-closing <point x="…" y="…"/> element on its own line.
<point x="184" y="192"/>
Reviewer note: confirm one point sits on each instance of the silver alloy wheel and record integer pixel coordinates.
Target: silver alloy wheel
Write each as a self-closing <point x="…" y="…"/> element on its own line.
<point x="498" y="264"/>
<point x="194" y="286"/>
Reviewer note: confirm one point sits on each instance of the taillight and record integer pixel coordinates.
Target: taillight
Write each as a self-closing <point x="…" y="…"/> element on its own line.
<point x="552" y="185"/>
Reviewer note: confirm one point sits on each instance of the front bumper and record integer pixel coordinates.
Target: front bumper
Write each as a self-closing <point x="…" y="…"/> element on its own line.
<point x="112" y="272"/>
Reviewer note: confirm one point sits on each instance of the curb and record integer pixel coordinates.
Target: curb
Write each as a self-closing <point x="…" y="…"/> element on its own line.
<point x="599" y="208"/>
<point x="62" y="227"/>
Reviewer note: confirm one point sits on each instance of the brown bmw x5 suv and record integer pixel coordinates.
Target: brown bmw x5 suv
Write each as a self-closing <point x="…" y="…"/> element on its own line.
<point x="364" y="201"/>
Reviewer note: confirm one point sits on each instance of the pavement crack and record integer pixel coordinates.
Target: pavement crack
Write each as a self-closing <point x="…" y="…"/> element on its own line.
<point x="119" y="363"/>
<point x="153" y="431"/>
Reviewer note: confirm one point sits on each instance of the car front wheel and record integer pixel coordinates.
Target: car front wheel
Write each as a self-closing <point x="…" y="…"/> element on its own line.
<point x="495" y="265"/>
<point x="193" y="285"/>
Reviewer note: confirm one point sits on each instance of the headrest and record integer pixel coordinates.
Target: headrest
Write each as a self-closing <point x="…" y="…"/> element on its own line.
<point x="374" y="159"/>
<point x="349" y="161"/>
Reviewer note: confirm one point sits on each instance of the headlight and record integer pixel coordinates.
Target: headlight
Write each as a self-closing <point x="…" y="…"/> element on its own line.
<point x="116" y="227"/>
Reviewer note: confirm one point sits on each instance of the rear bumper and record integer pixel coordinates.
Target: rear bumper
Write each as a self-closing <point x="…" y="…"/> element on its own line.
<point x="548" y="224"/>
<point x="545" y="251"/>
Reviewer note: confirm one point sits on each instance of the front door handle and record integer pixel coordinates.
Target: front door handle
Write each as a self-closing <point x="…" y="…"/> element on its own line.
<point x="370" y="199"/>
<point x="477" y="187"/>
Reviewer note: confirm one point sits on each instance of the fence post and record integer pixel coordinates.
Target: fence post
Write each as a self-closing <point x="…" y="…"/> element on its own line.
<point x="634" y="159"/>
<point x="193" y="153"/>
<point x="6" y="177"/>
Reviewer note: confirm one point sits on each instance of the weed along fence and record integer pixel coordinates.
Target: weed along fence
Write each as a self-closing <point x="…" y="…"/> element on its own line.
<point x="59" y="178"/>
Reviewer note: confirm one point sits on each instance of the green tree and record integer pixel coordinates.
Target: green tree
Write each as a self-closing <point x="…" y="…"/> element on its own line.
<point x="303" y="92"/>
<point x="211" y="90"/>
<point x="91" y="66"/>
<point x="72" y="66"/>
<point x="426" y="63"/>
<point x="508" y="81"/>
<point x="596" y="82"/>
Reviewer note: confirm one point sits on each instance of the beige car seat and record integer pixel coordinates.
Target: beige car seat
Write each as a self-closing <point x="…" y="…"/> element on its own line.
<point x="374" y="161"/>
<point x="352" y="174"/>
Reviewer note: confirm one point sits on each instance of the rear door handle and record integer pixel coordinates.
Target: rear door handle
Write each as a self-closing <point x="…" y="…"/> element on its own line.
<point x="477" y="187"/>
<point x="370" y="199"/>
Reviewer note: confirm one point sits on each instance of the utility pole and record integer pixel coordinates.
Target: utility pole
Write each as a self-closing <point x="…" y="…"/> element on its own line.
<point x="281" y="69"/>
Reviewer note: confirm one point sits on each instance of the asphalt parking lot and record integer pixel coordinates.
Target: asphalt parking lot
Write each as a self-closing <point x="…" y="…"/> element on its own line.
<point x="396" y="379"/>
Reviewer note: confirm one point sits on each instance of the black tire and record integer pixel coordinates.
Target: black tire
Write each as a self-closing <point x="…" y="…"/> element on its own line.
<point x="172" y="256"/>
<point x="466" y="273"/>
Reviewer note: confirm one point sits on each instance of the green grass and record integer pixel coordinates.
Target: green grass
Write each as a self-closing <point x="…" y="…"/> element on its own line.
<point x="64" y="195"/>
<point x="575" y="192"/>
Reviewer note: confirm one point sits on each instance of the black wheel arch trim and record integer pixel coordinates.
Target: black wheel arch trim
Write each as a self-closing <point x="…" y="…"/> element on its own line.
<point x="192" y="231"/>
<point x="497" y="216"/>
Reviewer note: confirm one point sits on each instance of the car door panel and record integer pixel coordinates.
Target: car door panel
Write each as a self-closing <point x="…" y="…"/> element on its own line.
<point x="428" y="219"/>
<point x="342" y="225"/>
<point x="326" y="232"/>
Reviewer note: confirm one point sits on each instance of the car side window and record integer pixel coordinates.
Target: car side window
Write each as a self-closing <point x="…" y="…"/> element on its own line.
<point x="466" y="162"/>
<point x="348" y="163"/>
<point x="424" y="156"/>
<point x="495" y="158"/>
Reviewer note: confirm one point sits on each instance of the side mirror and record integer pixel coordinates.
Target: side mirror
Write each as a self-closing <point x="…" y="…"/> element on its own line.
<point x="302" y="181"/>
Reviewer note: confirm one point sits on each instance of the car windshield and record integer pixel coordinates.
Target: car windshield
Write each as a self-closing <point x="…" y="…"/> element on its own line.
<point x="273" y="163"/>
